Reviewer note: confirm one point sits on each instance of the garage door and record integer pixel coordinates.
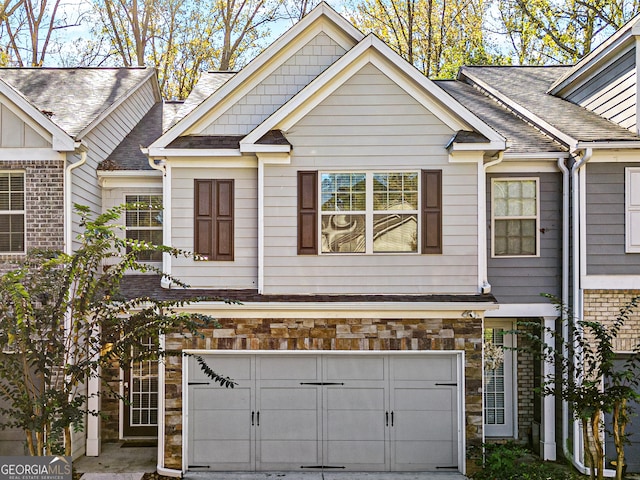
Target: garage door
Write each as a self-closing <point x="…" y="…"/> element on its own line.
<point x="325" y="411"/>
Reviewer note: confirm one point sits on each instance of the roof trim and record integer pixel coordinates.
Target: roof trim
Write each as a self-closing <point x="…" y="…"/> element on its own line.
<point x="372" y="50"/>
<point x="61" y="140"/>
<point x="107" y="111"/>
<point x="598" y="55"/>
<point x="257" y="69"/>
<point x="546" y="127"/>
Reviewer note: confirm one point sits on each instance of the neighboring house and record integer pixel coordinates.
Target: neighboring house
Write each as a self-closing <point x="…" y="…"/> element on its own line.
<point x="56" y="126"/>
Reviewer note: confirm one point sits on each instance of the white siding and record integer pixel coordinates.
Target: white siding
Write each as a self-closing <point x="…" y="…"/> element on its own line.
<point x="243" y="270"/>
<point x="370" y="123"/>
<point x="277" y="88"/>
<point x="101" y="141"/>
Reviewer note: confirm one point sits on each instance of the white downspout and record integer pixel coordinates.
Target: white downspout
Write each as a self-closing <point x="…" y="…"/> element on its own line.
<point x="578" y="454"/>
<point x="483" y="274"/>
<point x="166" y="261"/>
<point x="68" y="201"/>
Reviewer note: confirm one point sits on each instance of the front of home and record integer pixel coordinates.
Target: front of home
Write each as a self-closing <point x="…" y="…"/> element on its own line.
<point x="362" y="233"/>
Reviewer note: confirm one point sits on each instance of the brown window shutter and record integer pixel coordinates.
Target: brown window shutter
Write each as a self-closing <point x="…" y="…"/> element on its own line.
<point x="213" y="235"/>
<point x="431" y="211"/>
<point x="308" y="213"/>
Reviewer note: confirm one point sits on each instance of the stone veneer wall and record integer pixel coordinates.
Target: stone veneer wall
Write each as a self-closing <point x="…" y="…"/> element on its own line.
<point x="44" y="195"/>
<point x="353" y="334"/>
<point x="525" y="389"/>
<point x="604" y="306"/>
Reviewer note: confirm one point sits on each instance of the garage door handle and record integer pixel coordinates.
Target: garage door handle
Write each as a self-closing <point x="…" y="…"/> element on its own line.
<point x="252" y="415"/>
<point x="392" y="419"/>
<point x="386" y="414"/>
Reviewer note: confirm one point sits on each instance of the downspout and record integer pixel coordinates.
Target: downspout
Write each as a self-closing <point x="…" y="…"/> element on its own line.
<point x="166" y="205"/>
<point x="578" y="454"/>
<point x="485" y="286"/>
<point x="68" y="202"/>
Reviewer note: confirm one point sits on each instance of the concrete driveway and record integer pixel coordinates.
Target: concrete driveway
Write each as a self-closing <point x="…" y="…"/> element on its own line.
<point x="322" y="476"/>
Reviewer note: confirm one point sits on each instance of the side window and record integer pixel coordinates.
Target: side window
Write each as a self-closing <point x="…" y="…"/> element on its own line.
<point x="12" y="212"/>
<point x="632" y="210"/>
<point x="214" y="219"/>
<point x="515" y="217"/>
<point x="144" y="222"/>
<point x="369" y="212"/>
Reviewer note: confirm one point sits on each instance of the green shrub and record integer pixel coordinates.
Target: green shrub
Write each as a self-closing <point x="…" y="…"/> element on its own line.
<point x="511" y="461"/>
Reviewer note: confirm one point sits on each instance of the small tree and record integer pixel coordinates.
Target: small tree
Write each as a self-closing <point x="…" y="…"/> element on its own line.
<point x="62" y="319"/>
<point x="586" y="378"/>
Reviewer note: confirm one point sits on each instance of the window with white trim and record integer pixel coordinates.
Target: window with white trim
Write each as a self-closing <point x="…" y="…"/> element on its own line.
<point x="515" y="216"/>
<point x="144" y="222"/>
<point x="369" y="212"/>
<point x="12" y="212"/>
<point x="499" y="383"/>
<point x="632" y="209"/>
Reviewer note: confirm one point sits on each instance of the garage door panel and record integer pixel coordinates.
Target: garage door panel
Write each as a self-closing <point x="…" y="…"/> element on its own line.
<point x="436" y="368"/>
<point x="288" y="425"/>
<point x="425" y="454"/>
<point x="354" y="425"/>
<point x="220" y="425"/>
<point x="221" y="452"/>
<point x="418" y="426"/>
<point x="282" y="368"/>
<point x="366" y="454"/>
<point x="354" y="368"/>
<point x="231" y="398"/>
<point x="288" y="398"/>
<point x="289" y="454"/>
<point x="432" y="399"/>
<point x="239" y="368"/>
<point x="355" y="398"/>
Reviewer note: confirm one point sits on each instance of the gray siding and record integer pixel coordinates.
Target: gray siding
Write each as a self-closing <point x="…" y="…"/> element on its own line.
<point x="612" y="92"/>
<point x="275" y="90"/>
<point x="605" y="221"/>
<point x="15" y="133"/>
<point x="369" y="124"/>
<point x="101" y="141"/>
<point x="522" y="280"/>
<point x="242" y="272"/>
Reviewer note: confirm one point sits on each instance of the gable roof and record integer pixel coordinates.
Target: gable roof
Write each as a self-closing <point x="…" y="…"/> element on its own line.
<point x="612" y="47"/>
<point x="75" y="98"/>
<point x="322" y="17"/>
<point x="207" y="84"/>
<point x="373" y="50"/>
<point x="524" y="91"/>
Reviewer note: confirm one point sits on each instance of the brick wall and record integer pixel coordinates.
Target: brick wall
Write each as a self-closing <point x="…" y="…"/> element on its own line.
<point x="331" y="334"/>
<point x="604" y="306"/>
<point x="44" y="185"/>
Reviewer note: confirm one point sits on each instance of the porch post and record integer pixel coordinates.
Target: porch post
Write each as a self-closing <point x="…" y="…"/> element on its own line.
<point x="548" y="434"/>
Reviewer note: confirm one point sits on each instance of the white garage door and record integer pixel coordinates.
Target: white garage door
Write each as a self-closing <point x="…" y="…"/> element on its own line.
<point x="325" y="411"/>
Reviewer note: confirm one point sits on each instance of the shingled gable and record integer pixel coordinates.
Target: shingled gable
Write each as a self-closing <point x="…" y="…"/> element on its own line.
<point x="77" y="99"/>
<point x="60" y="139"/>
<point x="321" y="19"/>
<point x="610" y="50"/>
<point x="372" y="50"/>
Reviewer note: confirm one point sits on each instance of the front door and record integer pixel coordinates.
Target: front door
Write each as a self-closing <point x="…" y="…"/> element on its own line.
<point x="141" y="393"/>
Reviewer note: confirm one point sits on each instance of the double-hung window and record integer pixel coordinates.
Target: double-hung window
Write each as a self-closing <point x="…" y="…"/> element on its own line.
<point x="366" y="212"/>
<point x="369" y="212"/>
<point x="12" y="212"/>
<point x="515" y="217"/>
<point x="144" y="223"/>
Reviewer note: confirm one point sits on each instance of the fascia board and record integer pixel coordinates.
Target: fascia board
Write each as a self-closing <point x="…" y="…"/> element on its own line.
<point x="516" y="107"/>
<point x="609" y="145"/>
<point x="264" y="148"/>
<point x="105" y="113"/>
<point x="472" y="147"/>
<point x="285" y="46"/>
<point x="373" y="50"/>
<point x="61" y="140"/>
<point x="158" y="152"/>
<point x="606" y="48"/>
